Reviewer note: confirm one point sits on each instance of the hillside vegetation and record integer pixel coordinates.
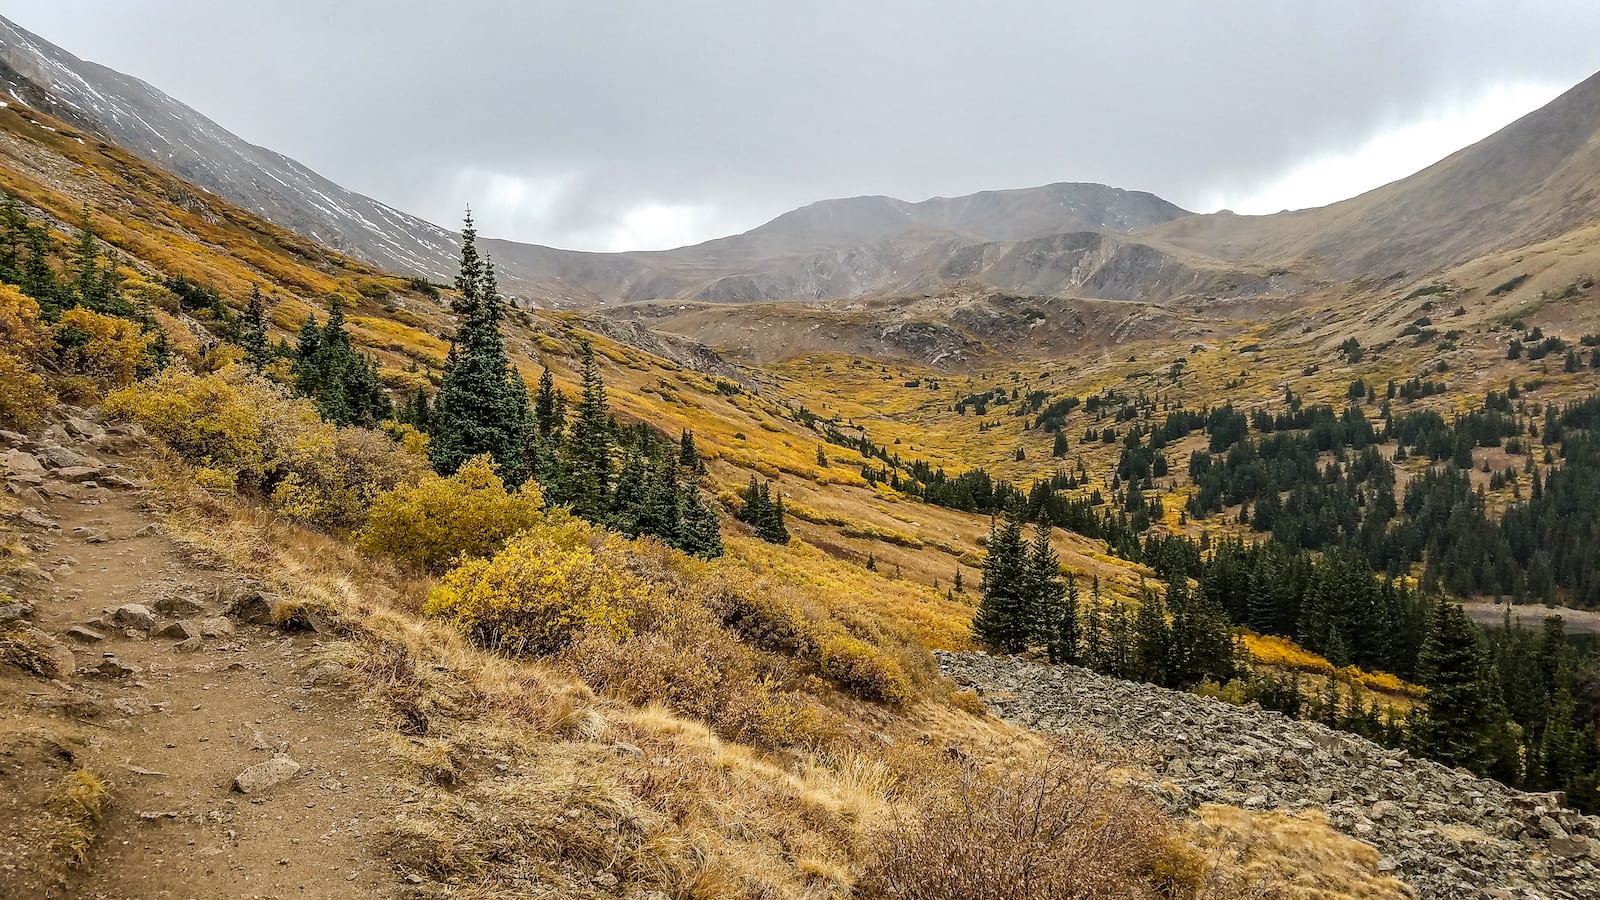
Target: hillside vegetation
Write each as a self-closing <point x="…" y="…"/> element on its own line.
<point x="642" y="614"/>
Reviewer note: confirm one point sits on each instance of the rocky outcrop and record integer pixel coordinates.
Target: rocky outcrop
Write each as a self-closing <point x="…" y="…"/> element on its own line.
<point x="1443" y="831"/>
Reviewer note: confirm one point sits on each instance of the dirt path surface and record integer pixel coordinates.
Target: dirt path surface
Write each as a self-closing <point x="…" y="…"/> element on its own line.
<point x="171" y="699"/>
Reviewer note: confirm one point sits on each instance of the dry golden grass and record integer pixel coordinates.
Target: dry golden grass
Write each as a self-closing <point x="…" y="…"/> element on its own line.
<point x="78" y="802"/>
<point x="525" y="776"/>
<point x="1298" y="854"/>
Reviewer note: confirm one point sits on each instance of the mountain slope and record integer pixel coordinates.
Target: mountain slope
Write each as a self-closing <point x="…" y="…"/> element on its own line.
<point x="845" y="247"/>
<point x="1532" y="180"/>
<point x="143" y="120"/>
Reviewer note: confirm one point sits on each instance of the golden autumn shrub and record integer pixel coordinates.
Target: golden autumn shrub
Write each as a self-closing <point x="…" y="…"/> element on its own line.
<point x="21" y="331"/>
<point x="238" y="427"/>
<point x="23" y="395"/>
<point x="549" y="584"/>
<point x="105" y="350"/>
<point x="219" y="423"/>
<point x="329" y="477"/>
<point x="775" y="618"/>
<point x="438" y="520"/>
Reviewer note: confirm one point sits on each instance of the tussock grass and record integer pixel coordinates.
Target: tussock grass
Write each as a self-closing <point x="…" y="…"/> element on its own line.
<point x="78" y="802"/>
<point x="1299" y="853"/>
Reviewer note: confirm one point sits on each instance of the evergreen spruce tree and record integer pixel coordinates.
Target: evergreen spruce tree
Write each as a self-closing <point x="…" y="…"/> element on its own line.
<point x="1458" y="723"/>
<point x="1064" y="643"/>
<point x="1059" y="449"/>
<point x="253" y="331"/>
<point x="698" y="531"/>
<point x="757" y="502"/>
<point x="417" y="411"/>
<point x="13" y="238"/>
<point x="549" y="409"/>
<point x="1094" y="634"/>
<point x="628" y="496"/>
<point x="1120" y="641"/>
<point x="775" y="531"/>
<point x="94" y="286"/>
<point x="586" y="476"/>
<point x="1003" y="620"/>
<point x="822" y="458"/>
<point x="661" y="512"/>
<point x="1560" y="751"/>
<point x="957" y="584"/>
<point x="1200" y="641"/>
<point x="1151" y="640"/>
<point x="482" y="404"/>
<point x="328" y="369"/>
<point x="38" y="278"/>
<point x="1045" y="594"/>
<point x="307" y="355"/>
<point x="688" y="453"/>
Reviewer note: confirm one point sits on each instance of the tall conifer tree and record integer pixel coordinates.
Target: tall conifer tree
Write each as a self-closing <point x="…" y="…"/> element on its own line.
<point x="590" y="442"/>
<point x="1003" y="620"/>
<point x="482" y="404"/>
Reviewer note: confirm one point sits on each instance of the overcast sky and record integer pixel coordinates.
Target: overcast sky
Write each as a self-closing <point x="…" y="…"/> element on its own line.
<point x="614" y="124"/>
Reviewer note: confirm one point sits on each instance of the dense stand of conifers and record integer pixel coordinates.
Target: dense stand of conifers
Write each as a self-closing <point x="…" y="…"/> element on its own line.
<point x="1327" y="571"/>
<point x="483" y="407"/>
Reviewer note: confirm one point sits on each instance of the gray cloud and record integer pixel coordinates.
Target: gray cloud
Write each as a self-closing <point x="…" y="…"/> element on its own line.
<point x="629" y="122"/>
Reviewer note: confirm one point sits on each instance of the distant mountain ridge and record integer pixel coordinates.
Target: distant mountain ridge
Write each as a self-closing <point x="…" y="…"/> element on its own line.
<point x="832" y="248"/>
<point x="146" y="122"/>
<point x="1532" y="180"/>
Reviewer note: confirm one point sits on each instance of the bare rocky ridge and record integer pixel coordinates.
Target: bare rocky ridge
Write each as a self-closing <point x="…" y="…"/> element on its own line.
<point x="1531" y="181"/>
<point x="1443" y="831"/>
<point x="1537" y="178"/>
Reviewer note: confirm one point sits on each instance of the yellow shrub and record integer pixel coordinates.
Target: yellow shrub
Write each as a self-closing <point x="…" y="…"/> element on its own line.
<point x="329" y="476"/>
<point x="773" y="618"/>
<point x="546" y="586"/>
<point x="23" y="396"/>
<point x="1271" y="650"/>
<point x="21" y="333"/>
<point x="246" y="430"/>
<point x="104" y="349"/>
<point x="408" y="437"/>
<point x="211" y="421"/>
<point x="438" y="520"/>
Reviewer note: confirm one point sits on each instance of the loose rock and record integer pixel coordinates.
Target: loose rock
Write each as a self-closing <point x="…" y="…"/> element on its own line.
<point x="261" y="776"/>
<point x="1445" y="832"/>
<point x="181" y="629"/>
<point x="213" y="627"/>
<point x="133" y="615"/>
<point x="85" y="634"/>
<point x="254" y="608"/>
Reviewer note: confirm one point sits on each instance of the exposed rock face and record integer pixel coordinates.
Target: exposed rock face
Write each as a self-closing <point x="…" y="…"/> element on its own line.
<point x="1445" y="832"/>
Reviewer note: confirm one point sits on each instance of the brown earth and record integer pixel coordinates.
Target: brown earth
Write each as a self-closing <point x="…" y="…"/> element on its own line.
<point x="169" y="736"/>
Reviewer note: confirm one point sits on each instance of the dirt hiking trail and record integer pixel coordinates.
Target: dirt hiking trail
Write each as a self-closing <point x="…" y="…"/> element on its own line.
<point x="177" y="683"/>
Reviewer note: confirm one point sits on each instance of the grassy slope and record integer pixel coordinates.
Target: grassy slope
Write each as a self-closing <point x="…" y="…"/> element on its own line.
<point x="164" y="226"/>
